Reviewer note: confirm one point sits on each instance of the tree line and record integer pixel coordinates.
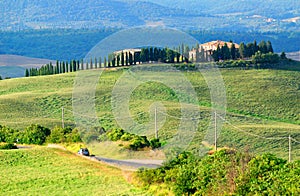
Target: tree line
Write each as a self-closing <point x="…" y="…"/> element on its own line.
<point x="149" y="54"/>
<point x="37" y="134"/>
<point x="244" y="51"/>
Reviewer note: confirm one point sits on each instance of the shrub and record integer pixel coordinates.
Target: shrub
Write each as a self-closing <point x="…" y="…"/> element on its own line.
<point x="7" y="146"/>
<point x="73" y="136"/>
<point x="8" y="135"/>
<point x="155" y="143"/>
<point x="56" y="136"/>
<point x="35" y="134"/>
<point x="261" y="174"/>
<point x="139" y="142"/>
<point x="127" y="136"/>
<point x="115" y="134"/>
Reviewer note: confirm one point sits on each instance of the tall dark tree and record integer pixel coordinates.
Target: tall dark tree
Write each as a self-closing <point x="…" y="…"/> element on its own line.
<point x="255" y="46"/>
<point x="269" y="47"/>
<point x="122" y="59"/>
<point x="233" y="51"/>
<point x="143" y="55"/>
<point x="91" y="64"/>
<point x="105" y="62"/>
<point x="100" y="62"/>
<point x="96" y="63"/>
<point x="74" y="65"/>
<point x="250" y="49"/>
<point x="78" y="65"/>
<point x="26" y="74"/>
<point x="263" y="47"/>
<point x="67" y="66"/>
<point x="137" y="58"/>
<point x="127" y="58"/>
<point x="87" y="66"/>
<point x="151" y="54"/>
<point x="170" y="55"/>
<point x="81" y="64"/>
<point x="283" y="55"/>
<point x="113" y="62"/>
<point x="155" y="54"/>
<point x="242" y="50"/>
<point x="57" y="67"/>
<point x="118" y="60"/>
<point x="130" y="59"/>
<point x="216" y="55"/>
<point x="225" y="52"/>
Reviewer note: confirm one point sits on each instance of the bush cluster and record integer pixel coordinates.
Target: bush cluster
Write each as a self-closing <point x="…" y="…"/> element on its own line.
<point x="7" y="146"/>
<point x="226" y="172"/>
<point x="136" y="142"/>
<point x="37" y="134"/>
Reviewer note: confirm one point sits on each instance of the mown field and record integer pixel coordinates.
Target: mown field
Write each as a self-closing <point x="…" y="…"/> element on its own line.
<point x="44" y="171"/>
<point x="262" y="102"/>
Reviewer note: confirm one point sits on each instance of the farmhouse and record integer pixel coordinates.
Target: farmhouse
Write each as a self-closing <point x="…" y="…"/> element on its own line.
<point x="203" y="52"/>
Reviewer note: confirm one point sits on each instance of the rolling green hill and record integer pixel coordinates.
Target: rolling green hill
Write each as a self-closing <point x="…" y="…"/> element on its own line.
<point x="42" y="171"/>
<point x="260" y="102"/>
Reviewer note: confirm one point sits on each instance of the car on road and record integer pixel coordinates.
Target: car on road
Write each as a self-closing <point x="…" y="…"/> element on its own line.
<point x="84" y="151"/>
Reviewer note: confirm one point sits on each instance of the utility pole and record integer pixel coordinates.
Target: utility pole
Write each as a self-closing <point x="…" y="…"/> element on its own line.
<point x="155" y="123"/>
<point x="290" y="149"/>
<point x="62" y="117"/>
<point x="216" y="131"/>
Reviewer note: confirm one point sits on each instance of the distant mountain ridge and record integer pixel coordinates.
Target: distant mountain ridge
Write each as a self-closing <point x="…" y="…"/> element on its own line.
<point x="187" y="14"/>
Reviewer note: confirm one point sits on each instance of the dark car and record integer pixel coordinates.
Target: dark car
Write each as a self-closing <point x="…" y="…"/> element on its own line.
<point x="84" y="151"/>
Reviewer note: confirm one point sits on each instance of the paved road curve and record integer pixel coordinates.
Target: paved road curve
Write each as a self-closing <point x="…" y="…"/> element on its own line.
<point x="131" y="163"/>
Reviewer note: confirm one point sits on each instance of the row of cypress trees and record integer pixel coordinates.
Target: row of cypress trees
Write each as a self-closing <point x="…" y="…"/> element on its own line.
<point x="149" y="54"/>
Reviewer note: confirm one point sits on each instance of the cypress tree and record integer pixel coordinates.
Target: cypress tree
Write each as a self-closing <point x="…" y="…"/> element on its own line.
<point x="105" y="62"/>
<point x="113" y="62"/>
<point x="269" y="47"/>
<point x="63" y="67"/>
<point x="255" y="46"/>
<point x="74" y="65"/>
<point x="242" y="50"/>
<point x="78" y="65"/>
<point x="26" y="74"/>
<point x="118" y="60"/>
<point x="100" y="62"/>
<point x="151" y="54"/>
<point x="67" y="67"/>
<point x="263" y="47"/>
<point x="233" y="52"/>
<point x="155" y="54"/>
<point x="130" y="58"/>
<point x="225" y="52"/>
<point x="96" y="63"/>
<point x="91" y="63"/>
<point x="82" y="65"/>
<point x="122" y="59"/>
<point x="127" y="59"/>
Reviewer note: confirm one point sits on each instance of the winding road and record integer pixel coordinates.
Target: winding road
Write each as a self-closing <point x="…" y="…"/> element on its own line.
<point x="133" y="164"/>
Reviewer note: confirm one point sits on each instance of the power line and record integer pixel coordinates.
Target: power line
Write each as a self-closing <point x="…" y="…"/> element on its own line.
<point x="179" y="118"/>
<point x="295" y="140"/>
<point x="101" y="118"/>
<point x="252" y="134"/>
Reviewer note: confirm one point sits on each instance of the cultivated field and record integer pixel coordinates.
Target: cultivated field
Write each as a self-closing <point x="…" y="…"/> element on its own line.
<point x="43" y="171"/>
<point x="262" y="103"/>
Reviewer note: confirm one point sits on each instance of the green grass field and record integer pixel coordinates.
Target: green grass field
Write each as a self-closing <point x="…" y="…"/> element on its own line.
<point x="263" y="102"/>
<point x="44" y="171"/>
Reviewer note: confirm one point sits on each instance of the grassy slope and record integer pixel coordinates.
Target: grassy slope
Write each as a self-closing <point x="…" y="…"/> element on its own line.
<point x="269" y="98"/>
<point x="42" y="171"/>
